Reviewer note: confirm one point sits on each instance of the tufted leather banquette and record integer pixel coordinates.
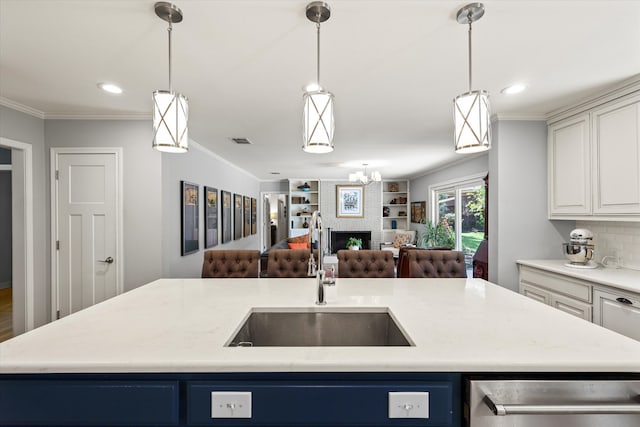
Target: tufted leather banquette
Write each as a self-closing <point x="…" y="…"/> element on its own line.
<point x="288" y="263"/>
<point x="435" y="263"/>
<point x="230" y="263"/>
<point x="365" y="263"/>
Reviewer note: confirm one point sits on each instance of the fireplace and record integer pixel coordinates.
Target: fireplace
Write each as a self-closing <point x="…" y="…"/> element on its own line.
<point x="339" y="239"/>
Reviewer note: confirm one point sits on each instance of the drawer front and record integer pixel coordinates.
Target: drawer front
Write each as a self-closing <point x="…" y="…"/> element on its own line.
<point x="618" y="312"/>
<point x="535" y="293"/>
<point x="569" y="305"/>
<point x="557" y="283"/>
<point x="88" y="403"/>
<point x="321" y="403"/>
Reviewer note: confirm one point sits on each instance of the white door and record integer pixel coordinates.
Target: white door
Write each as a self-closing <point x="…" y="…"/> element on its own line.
<point x="87" y="205"/>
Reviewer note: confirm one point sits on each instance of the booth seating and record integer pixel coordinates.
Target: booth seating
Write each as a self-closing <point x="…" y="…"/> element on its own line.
<point x="230" y="263"/>
<point x="434" y="264"/>
<point x="365" y="263"/>
<point x="288" y="263"/>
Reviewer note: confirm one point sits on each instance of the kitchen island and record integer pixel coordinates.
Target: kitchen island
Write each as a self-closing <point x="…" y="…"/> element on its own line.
<point x="171" y="335"/>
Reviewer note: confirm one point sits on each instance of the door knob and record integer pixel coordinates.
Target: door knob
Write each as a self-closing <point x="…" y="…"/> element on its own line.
<point x="109" y="260"/>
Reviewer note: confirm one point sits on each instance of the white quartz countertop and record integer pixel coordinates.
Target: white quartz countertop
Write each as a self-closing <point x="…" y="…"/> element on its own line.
<point x="621" y="278"/>
<point x="182" y="325"/>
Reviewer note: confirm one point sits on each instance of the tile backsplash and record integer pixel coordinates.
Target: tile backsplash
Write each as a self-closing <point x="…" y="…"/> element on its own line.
<point x="620" y="239"/>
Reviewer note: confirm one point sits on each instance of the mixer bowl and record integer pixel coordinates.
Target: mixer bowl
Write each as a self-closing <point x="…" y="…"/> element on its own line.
<point x="578" y="253"/>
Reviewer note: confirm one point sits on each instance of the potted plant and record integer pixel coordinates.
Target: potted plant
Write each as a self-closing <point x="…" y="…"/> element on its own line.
<point x="354" y="243"/>
<point x="438" y="235"/>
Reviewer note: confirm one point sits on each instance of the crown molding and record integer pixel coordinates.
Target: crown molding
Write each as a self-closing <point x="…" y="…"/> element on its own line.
<point x="75" y="116"/>
<point x="21" y="107"/>
<point x="521" y="117"/>
<point x="70" y="116"/>
<point x="204" y="149"/>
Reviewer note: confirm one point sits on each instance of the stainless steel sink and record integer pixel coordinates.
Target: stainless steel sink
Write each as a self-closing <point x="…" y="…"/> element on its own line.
<point x="313" y="328"/>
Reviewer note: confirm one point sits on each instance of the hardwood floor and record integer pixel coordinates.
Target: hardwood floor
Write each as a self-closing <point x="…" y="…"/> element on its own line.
<point x="6" y="314"/>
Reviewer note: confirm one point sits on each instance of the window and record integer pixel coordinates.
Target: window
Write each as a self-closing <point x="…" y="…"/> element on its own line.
<point x="460" y="205"/>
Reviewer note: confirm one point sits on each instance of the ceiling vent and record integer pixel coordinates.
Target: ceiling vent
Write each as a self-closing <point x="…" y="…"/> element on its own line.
<point x="241" y="140"/>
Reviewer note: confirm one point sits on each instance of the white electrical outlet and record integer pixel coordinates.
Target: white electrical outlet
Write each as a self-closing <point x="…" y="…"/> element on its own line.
<point x="230" y="404"/>
<point x="408" y="404"/>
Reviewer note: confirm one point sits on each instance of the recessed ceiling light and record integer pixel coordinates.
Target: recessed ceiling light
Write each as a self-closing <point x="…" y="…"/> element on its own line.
<point x="110" y="87"/>
<point x="513" y="89"/>
<point x="274" y="173"/>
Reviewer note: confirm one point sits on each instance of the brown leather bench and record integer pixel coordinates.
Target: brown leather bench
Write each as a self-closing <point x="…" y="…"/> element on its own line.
<point x="365" y="263"/>
<point x="230" y="263"/>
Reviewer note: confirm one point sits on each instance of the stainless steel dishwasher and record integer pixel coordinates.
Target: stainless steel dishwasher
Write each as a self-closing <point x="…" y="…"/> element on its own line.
<point x="552" y="403"/>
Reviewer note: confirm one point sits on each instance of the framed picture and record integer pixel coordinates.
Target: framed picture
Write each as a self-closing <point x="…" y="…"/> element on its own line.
<point x="418" y="212"/>
<point x="237" y="216"/>
<point x="246" y="202"/>
<point x="210" y="217"/>
<point x="189" y="217"/>
<point x="226" y="216"/>
<point x="350" y="201"/>
<point x="254" y="215"/>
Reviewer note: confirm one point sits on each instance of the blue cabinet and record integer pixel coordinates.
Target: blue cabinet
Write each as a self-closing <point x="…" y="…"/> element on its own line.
<point x="278" y="399"/>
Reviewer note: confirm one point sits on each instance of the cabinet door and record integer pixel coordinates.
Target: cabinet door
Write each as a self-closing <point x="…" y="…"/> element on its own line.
<point x="569" y="163"/>
<point x="616" y="138"/>
<point x="618" y="312"/>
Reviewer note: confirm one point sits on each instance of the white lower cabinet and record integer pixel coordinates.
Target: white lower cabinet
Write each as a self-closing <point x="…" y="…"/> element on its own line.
<point x="566" y="294"/>
<point x="617" y="311"/>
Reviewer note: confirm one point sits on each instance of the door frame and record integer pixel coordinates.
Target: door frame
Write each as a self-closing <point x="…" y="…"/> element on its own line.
<point x="54" y="152"/>
<point x="27" y="261"/>
<point x="265" y="232"/>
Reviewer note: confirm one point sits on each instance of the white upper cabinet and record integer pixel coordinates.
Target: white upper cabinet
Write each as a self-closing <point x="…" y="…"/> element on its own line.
<point x="570" y="167"/>
<point x="616" y="140"/>
<point x="594" y="161"/>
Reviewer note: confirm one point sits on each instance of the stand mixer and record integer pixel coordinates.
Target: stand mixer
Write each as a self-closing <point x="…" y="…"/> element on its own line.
<point x="579" y="250"/>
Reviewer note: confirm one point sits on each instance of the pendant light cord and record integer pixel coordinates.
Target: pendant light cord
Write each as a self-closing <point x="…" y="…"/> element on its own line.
<point x="318" y="51"/>
<point x="469" y="16"/>
<point x="169" y="31"/>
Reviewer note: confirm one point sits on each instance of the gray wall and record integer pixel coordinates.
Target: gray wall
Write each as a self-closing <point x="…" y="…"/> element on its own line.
<point x="274" y="186"/>
<point x="142" y="176"/>
<point x="202" y="167"/>
<point x="372" y="220"/>
<point x="30" y="130"/>
<point x="518" y="224"/>
<point x="5" y="229"/>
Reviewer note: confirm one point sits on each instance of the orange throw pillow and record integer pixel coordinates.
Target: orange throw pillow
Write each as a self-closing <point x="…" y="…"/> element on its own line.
<point x="299" y="239"/>
<point x="298" y="245"/>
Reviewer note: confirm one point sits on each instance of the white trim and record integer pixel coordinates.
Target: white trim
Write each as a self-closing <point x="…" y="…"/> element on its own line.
<point x="520" y="117"/>
<point x="463" y="159"/>
<point x="54" y="152"/>
<point x="78" y="116"/>
<point x="201" y="147"/>
<point x="5" y="167"/>
<point x="21" y="107"/>
<point x="29" y="273"/>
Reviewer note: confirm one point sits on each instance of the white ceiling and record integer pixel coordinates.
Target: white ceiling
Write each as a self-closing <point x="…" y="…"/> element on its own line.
<point x="394" y="67"/>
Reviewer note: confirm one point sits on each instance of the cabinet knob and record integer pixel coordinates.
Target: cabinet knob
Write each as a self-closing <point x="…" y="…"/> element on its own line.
<point x="624" y="301"/>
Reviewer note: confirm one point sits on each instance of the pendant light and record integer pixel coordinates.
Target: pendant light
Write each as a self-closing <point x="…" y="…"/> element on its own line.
<point x="318" y="103"/>
<point x="471" y="111"/>
<point x="170" y="109"/>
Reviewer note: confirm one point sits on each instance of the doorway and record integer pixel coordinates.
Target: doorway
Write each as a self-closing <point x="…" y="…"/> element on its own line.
<point x="460" y="205"/>
<point x="274" y="218"/>
<point x="87" y="262"/>
<point x="17" y="305"/>
<point x="6" y="292"/>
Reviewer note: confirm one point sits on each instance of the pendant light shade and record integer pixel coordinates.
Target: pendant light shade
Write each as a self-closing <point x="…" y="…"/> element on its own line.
<point x="170" y="109"/>
<point x="317" y="116"/>
<point x="471" y="110"/>
<point x="318" y="122"/>
<point x="170" y="114"/>
<point x="471" y="116"/>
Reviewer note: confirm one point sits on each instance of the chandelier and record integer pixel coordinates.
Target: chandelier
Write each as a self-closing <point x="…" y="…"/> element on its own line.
<point x="364" y="179"/>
